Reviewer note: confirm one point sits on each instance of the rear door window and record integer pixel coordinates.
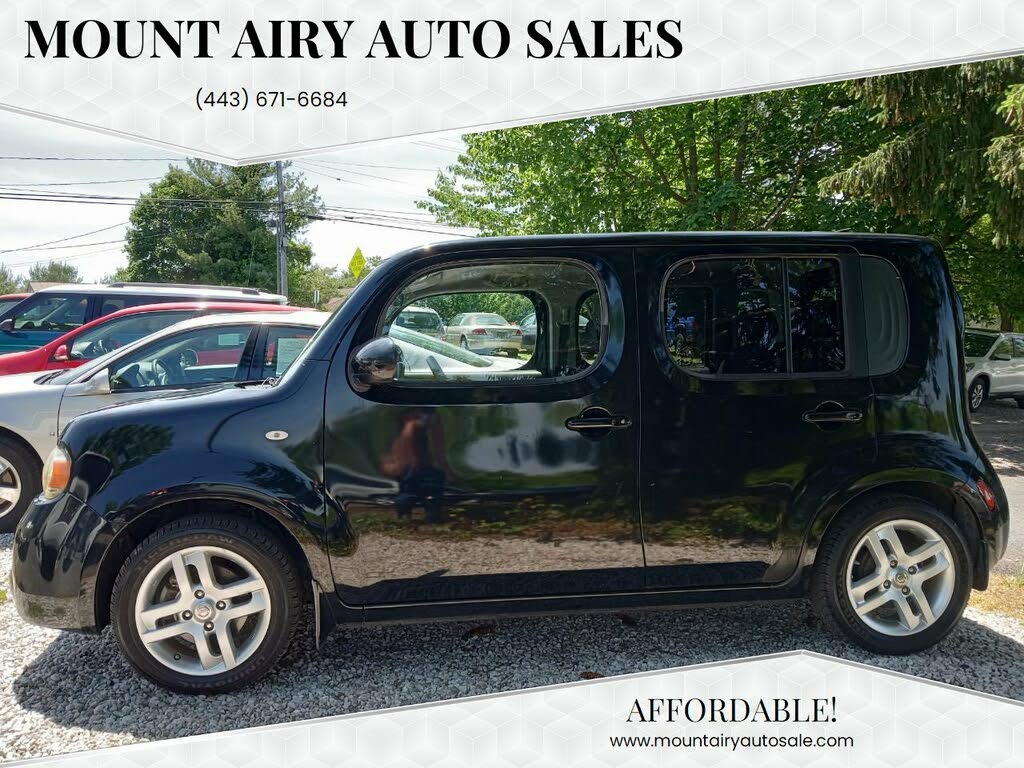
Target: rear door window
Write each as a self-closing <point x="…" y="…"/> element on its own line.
<point x="755" y="316"/>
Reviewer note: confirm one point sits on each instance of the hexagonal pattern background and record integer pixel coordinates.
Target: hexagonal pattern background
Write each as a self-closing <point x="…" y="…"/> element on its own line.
<point x="893" y="719"/>
<point x="729" y="46"/>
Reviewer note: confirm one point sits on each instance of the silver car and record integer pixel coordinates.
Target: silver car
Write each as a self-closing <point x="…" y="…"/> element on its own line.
<point x="205" y="351"/>
<point x="995" y="366"/>
<point x="485" y="332"/>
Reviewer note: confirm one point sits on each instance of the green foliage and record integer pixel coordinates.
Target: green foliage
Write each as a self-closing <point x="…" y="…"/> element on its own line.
<point x="328" y="280"/>
<point x="746" y="162"/>
<point x="9" y="282"/>
<point x="52" y="272"/>
<point x="215" y="224"/>
<point x="511" y="306"/>
<point x="989" y="277"/>
<point x="953" y="154"/>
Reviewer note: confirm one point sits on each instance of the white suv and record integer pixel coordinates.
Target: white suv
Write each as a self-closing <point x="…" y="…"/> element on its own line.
<point x="995" y="366"/>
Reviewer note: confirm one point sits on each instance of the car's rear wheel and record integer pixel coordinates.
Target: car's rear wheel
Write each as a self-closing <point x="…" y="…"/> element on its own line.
<point x="20" y="482"/>
<point x="977" y="394"/>
<point x="463" y="343"/>
<point x="893" y="575"/>
<point x="206" y="604"/>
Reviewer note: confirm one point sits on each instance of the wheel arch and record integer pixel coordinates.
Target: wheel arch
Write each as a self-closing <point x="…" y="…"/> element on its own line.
<point x="943" y="494"/>
<point x="298" y="542"/>
<point x="10" y="434"/>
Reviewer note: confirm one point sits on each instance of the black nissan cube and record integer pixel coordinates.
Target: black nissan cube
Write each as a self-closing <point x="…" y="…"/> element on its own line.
<point x="699" y="418"/>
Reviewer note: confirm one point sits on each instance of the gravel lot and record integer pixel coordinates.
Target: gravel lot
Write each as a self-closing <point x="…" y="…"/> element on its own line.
<point x="61" y="692"/>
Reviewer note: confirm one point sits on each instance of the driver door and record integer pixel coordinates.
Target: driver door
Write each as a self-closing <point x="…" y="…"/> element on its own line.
<point x="188" y="360"/>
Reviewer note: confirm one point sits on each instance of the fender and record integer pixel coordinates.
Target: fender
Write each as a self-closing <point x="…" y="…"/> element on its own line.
<point x="941" y="474"/>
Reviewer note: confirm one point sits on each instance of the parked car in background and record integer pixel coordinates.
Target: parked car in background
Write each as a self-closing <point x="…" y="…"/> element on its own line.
<point x="196" y="353"/>
<point x="812" y="440"/>
<point x="8" y="301"/>
<point x="52" y="312"/>
<point x="994" y="363"/>
<point x="485" y="332"/>
<point x="421" y="319"/>
<point x="115" y="330"/>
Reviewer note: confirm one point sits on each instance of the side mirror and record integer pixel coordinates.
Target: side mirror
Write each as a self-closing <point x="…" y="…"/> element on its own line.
<point x="97" y="384"/>
<point x="7" y="326"/>
<point x="376" y="362"/>
<point x="61" y="355"/>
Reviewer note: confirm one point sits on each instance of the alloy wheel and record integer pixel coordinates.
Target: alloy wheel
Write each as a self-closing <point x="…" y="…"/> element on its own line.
<point x="202" y="610"/>
<point x="901" y="577"/>
<point x="10" y="487"/>
<point x="977" y="395"/>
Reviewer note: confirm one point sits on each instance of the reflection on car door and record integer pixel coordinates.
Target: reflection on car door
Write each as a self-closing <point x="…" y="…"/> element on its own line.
<point x="493" y="489"/>
<point x="1001" y="363"/>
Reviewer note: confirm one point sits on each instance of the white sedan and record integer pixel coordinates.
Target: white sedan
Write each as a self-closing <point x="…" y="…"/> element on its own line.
<point x="485" y="332"/>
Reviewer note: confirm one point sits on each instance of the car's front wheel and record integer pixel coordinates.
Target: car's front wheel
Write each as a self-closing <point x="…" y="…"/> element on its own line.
<point x="206" y="604"/>
<point x="894" y="575"/>
<point x="976" y="394"/>
<point x="20" y="482"/>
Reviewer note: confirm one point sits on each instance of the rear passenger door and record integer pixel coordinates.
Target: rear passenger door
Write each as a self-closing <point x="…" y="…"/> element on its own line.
<point x="754" y="397"/>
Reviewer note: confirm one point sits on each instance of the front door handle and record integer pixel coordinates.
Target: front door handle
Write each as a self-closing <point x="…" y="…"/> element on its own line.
<point x="583" y="423"/>
<point x="833" y="413"/>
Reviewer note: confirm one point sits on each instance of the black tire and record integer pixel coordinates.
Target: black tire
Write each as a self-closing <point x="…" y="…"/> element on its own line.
<point x="463" y="343"/>
<point x="828" y="584"/>
<point x="1019" y="401"/>
<point x="249" y="540"/>
<point x="29" y="470"/>
<point x="977" y="394"/>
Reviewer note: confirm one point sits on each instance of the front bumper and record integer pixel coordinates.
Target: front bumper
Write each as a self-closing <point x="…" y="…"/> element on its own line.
<point x="57" y="549"/>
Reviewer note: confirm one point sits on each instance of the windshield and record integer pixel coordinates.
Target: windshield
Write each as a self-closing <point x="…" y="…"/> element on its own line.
<point x="978" y="344"/>
<point x="418" y="321"/>
<point x="487" y="320"/>
<point x="7" y="304"/>
<point x="116" y="333"/>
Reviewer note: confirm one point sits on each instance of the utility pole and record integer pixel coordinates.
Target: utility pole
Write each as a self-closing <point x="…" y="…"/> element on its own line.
<point x="282" y="261"/>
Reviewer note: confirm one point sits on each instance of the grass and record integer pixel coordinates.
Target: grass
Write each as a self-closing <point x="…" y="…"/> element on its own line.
<point x="1005" y="594"/>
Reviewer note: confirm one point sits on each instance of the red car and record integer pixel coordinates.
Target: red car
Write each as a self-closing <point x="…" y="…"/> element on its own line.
<point x="117" y="329"/>
<point x="8" y="301"/>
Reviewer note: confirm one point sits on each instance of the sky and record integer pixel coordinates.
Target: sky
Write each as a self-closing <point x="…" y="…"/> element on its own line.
<point x="386" y="179"/>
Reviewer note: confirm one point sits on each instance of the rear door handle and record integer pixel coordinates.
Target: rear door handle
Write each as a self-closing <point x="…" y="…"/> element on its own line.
<point x="837" y="416"/>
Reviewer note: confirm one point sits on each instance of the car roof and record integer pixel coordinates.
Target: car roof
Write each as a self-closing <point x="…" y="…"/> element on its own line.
<point x="308" y="317"/>
<point x="165" y="289"/>
<point x="9" y="296"/>
<point x="411" y="308"/>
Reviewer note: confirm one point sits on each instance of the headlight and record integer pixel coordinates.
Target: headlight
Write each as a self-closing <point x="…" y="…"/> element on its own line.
<point x="970" y="367"/>
<point x="56" y="473"/>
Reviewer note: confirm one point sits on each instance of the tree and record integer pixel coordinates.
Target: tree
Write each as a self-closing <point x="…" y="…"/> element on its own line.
<point x="8" y="281"/>
<point x="955" y="151"/>
<point x="745" y="162"/>
<point x="52" y="272"/>
<point x="215" y="224"/>
<point x="989" y="277"/>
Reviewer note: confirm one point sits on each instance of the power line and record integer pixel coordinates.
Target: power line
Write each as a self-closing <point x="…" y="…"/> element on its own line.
<point x="65" y="239"/>
<point x="75" y="183"/>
